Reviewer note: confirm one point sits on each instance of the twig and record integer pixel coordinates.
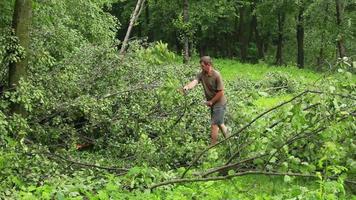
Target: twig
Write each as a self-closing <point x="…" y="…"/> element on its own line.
<point x="237" y="152"/>
<point x="224" y="167"/>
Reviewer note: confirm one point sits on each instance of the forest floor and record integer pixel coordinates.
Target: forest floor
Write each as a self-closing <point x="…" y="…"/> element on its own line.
<point x="108" y="185"/>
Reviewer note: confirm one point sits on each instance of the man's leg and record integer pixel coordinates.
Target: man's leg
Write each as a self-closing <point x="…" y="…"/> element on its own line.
<point x="214" y="133"/>
<point x="223" y="129"/>
<point x="217" y="122"/>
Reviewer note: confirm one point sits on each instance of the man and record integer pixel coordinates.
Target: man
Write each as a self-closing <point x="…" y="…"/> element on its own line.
<point x="214" y="93"/>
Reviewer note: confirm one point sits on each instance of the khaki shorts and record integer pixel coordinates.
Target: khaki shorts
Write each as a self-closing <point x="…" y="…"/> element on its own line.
<point x="217" y="113"/>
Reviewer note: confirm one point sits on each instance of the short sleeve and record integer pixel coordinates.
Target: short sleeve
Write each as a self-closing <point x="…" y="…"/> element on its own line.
<point x="219" y="83"/>
<point x="198" y="77"/>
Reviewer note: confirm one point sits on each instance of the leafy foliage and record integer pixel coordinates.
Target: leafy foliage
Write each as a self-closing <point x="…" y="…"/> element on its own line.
<point x="79" y="90"/>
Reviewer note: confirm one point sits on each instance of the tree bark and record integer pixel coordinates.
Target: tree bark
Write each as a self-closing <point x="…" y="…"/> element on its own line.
<point x="322" y="41"/>
<point x="243" y="33"/>
<point x="134" y="16"/>
<point x="150" y="32"/>
<point x="259" y="42"/>
<point x="186" y="37"/>
<point x="340" y="39"/>
<point x="279" y="57"/>
<point x="300" y="37"/>
<point x="21" y="23"/>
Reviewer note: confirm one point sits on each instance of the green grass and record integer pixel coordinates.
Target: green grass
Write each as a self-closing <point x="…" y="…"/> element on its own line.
<point x="231" y="69"/>
<point x="269" y="102"/>
<point x="247" y="187"/>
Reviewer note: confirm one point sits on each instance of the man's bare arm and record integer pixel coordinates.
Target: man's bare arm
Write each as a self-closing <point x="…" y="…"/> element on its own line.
<point x="217" y="96"/>
<point x="190" y="85"/>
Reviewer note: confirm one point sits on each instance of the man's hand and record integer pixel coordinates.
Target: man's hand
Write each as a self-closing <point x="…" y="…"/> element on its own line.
<point x="183" y="90"/>
<point x="209" y="103"/>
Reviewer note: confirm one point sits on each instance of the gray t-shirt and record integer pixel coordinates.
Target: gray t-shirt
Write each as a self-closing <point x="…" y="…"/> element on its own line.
<point x="212" y="84"/>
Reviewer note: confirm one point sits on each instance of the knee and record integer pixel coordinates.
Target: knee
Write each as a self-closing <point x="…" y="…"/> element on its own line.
<point x="214" y="126"/>
<point x="221" y="126"/>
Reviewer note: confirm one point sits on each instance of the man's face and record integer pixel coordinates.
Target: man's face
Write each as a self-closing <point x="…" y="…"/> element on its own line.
<point x="205" y="67"/>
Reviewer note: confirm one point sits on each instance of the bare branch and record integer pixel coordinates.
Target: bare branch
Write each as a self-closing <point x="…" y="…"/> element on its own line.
<point x="133" y="19"/>
<point x="225" y="167"/>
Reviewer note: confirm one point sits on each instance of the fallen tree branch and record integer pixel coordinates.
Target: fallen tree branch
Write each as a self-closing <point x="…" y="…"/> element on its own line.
<point x="237" y="152"/>
<point x="270" y="127"/>
<point x="123" y="170"/>
<point x="337" y="94"/>
<point x="144" y="87"/>
<point x="302" y="134"/>
<point x="288" y="142"/>
<point x="225" y="167"/>
<point x="254" y="120"/>
<point x="219" y="178"/>
<point x="293" y="139"/>
<point x="63" y="107"/>
<point x="242" y="129"/>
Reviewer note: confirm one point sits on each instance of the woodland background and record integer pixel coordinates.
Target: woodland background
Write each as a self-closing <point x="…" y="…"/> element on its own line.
<point x="89" y="111"/>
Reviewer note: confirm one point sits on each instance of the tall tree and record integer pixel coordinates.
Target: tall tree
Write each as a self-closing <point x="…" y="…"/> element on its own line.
<point x="186" y="36"/>
<point x="134" y="16"/>
<point x="340" y="39"/>
<point x="244" y="31"/>
<point x="279" y="54"/>
<point x="321" y="55"/>
<point x="256" y="33"/>
<point x="21" y="24"/>
<point x="282" y="9"/>
<point x="300" y="34"/>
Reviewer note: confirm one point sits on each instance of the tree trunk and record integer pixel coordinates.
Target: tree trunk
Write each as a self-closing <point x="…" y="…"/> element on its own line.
<point x="186" y="37"/>
<point x="279" y="57"/>
<point x="201" y="44"/>
<point x="300" y="37"/>
<point x="340" y="39"/>
<point x="259" y="43"/>
<point x="322" y="41"/>
<point x="321" y="52"/>
<point x="244" y="32"/>
<point x="21" y="23"/>
<point x="134" y="16"/>
<point x="150" y="33"/>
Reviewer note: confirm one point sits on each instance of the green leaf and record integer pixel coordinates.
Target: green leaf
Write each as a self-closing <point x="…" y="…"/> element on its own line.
<point x="287" y="179"/>
<point x="103" y="195"/>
